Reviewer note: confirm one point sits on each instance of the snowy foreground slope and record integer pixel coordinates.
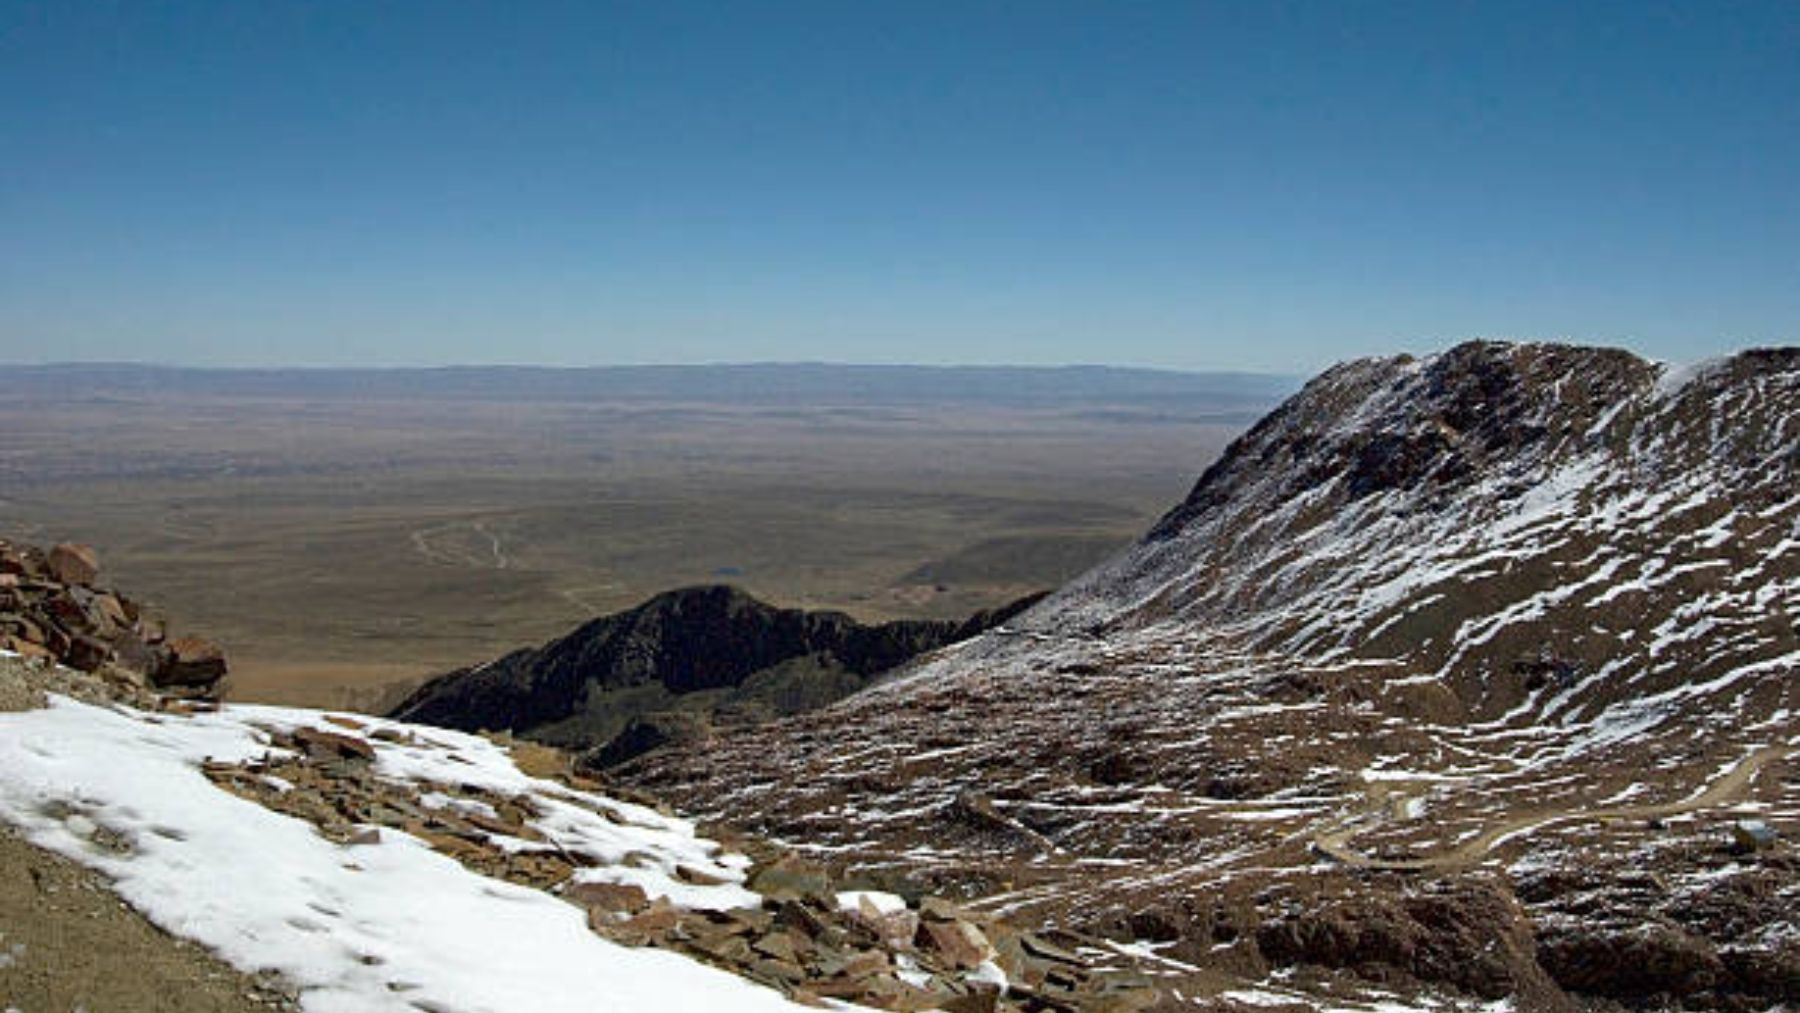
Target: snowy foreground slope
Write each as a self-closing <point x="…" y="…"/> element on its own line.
<point x="384" y="925"/>
<point x="1479" y="671"/>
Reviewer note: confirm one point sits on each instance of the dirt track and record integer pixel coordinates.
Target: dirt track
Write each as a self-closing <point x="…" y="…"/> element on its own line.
<point x="1334" y="843"/>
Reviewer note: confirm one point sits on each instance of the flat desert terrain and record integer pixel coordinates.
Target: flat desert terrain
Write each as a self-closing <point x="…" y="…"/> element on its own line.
<point x="345" y="533"/>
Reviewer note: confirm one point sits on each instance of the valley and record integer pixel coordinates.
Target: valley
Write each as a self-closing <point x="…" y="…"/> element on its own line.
<point x="1455" y="683"/>
<point x="346" y="535"/>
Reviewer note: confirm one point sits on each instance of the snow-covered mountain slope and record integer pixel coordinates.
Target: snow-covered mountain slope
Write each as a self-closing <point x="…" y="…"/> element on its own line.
<point x="1427" y="647"/>
<point x="383" y="923"/>
<point x="1459" y="514"/>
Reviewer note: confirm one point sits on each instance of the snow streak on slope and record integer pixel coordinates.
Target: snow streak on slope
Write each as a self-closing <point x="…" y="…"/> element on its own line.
<point x="1428" y="615"/>
<point x="385" y="926"/>
<point x="1466" y="512"/>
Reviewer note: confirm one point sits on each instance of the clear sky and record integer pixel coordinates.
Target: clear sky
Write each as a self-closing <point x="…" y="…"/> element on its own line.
<point x="1252" y="184"/>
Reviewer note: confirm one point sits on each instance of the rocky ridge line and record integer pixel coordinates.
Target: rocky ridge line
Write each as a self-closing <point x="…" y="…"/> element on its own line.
<point x="678" y="667"/>
<point x="1411" y="693"/>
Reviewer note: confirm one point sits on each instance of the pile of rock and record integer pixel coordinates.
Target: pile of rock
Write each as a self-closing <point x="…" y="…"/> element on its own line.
<point x="51" y="608"/>
<point x="810" y="939"/>
<point x="816" y="943"/>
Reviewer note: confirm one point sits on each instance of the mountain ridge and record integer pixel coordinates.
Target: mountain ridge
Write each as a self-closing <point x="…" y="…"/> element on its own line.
<point x="705" y="652"/>
<point x="1411" y="638"/>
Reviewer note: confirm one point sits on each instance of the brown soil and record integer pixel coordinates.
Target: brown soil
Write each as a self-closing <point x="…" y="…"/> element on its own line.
<point x="66" y="942"/>
<point x="374" y="687"/>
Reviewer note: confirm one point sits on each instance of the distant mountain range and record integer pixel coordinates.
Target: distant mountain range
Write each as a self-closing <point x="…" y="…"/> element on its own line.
<point x="754" y="384"/>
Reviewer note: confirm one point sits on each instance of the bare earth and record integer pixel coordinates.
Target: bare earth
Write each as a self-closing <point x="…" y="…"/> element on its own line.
<point x="67" y="943"/>
<point x="341" y="546"/>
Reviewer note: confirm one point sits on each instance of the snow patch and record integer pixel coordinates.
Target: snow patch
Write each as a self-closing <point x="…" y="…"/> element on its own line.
<point x="393" y="926"/>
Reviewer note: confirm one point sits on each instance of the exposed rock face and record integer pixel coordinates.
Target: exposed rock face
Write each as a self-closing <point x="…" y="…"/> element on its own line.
<point x="1438" y="637"/>
<point x="50" y="608"/>
<point x="73" y="564"/>
<point x="704" y="652"/>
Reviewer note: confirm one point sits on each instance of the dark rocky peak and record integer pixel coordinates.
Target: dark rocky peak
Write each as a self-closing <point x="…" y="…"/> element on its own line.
<point x="696" y="648"/>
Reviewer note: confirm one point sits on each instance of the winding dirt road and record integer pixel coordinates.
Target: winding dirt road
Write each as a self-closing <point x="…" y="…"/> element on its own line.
<point x="1334" y="843"/>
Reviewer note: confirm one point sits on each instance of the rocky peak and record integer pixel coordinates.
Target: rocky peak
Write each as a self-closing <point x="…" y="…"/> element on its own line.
<point x="1394" y="507"/>
<point x="1509" y="629"/>
<point x="708" y="652"/>
<point x="1383" y="424"/>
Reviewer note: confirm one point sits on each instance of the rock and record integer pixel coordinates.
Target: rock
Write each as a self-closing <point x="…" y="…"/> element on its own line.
<point x="193" y="662"/>
<point x="791" y="878"/>
<point x="651" y="923"/>
<point x="778" y="946"/>
<point x="110" y="611"/>
<point x="70" y="563"/>
<point x="646" y="732"/>
<point x="895" y="929"/>
<point x="937" y="909"/>
<point x="25" y="648"/>
<point x="67" y="612"/>
<point x="714" y="638"/>
<point x="699" y="877"/>
<point x="607" y="898"/>
<point x="1044" y="949"/>
<point x="1750" y="836"/>
<point x="777" y="971"/>
<point x="23" y="627"/>
<point x="981" y="1000"/>
<point x="25" y="561"/>
<point x="132" y="654"/>
<point x="86" y="653"/>
<point x="804" y="919"/>
<point x="322" y="744"/>
<point x="959" y="944"/>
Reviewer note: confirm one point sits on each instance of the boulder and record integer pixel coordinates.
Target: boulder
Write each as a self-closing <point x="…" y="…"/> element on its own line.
<point x="132" y="654"/>
<point x="325" y="745"/>
<point x="607" y="902"/>
<point x="791" y="878"/>
<point x="25" y="561"/>
<point x="193" y="662"/>
<point x="958" y="944"/>
<point x="86" y="653"/>
<point x="71" y="563"/>
<point x="110" y="610"/>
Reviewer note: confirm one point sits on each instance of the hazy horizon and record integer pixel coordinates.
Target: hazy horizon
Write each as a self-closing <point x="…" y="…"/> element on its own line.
<point x="1422" y="348"/>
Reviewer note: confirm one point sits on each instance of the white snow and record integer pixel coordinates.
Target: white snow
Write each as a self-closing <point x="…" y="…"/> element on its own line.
<point x="883" y="903"/>
<point x="389" y="926"/>
<point x="1674" y="378"/>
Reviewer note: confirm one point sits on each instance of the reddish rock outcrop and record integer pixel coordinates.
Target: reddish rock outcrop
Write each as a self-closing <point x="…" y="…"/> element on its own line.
<point x="51" y="608"/>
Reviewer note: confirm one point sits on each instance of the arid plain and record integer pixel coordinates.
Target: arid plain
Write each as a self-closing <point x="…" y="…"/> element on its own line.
<point x="346" y="533"/>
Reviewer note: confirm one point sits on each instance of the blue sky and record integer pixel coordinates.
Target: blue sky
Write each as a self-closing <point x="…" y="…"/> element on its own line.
<point x="1258" y="185"/>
